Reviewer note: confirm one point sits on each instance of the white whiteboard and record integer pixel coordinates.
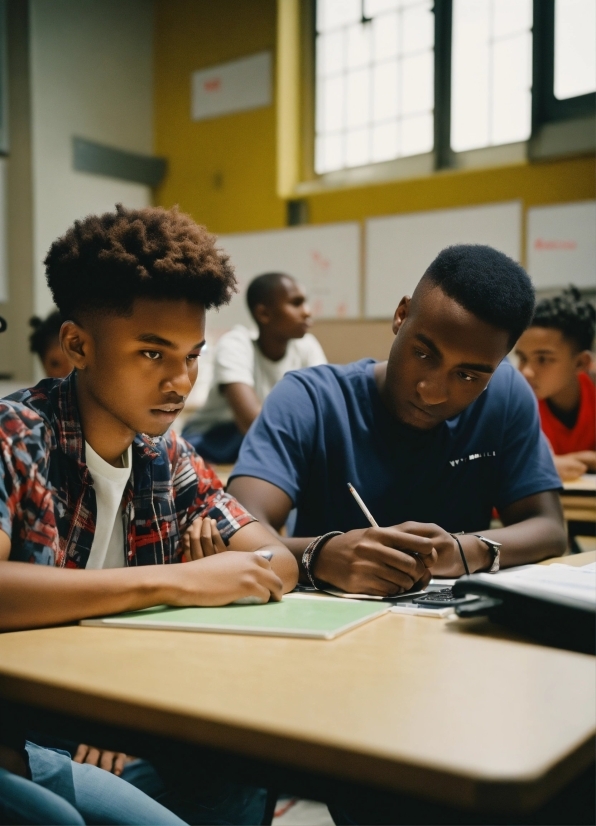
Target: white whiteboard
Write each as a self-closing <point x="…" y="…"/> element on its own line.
<point x="399" y="248"/>
<point x="562" y="245"/>
<point x="324" y="259"/>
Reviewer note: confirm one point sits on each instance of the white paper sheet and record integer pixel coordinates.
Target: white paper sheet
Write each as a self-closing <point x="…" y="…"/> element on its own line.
<point x="564" y="580"/>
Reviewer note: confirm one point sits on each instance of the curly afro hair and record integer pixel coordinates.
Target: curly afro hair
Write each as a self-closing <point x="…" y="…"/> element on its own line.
<point x="105" y="262"/>
<point x="487" y="283"/>
<point x="569" y="314"/>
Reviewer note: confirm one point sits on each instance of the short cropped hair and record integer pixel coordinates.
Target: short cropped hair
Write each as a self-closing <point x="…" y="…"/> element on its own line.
<point x="487" y="283"/>
<point x="261" y="289"/>
<point x="104" y="262"/>
<point x="571" y="315"/>
<point x="44" y="332"/>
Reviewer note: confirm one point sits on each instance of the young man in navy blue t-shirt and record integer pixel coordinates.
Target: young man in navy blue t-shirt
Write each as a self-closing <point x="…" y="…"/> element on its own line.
<point x="433" y="439"/>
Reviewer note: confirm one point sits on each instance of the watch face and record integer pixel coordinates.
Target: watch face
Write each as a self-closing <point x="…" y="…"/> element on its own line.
<point x="490" y="542"/>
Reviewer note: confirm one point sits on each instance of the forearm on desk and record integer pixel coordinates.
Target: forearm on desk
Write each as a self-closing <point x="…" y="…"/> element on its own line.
<point x="296" y="545"/>
<point x="32" y="596"/>
<point x="530" y="541"/>
<point x="521" y="544"/>
<point x="257" y="536"/>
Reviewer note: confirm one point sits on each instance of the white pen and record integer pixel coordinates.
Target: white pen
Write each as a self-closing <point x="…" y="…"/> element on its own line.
<point x="362" y="506"/>
<point x="370" y="517"/>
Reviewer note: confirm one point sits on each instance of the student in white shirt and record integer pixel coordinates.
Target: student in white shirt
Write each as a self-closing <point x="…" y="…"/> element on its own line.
<point x="248" y="366"/>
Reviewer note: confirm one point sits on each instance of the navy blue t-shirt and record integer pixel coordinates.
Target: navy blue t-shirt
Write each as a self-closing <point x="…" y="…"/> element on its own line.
<point x="323" y="427"/>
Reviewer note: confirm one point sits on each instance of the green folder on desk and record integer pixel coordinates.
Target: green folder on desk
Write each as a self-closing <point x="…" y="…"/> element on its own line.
<point x="300" y="616"/>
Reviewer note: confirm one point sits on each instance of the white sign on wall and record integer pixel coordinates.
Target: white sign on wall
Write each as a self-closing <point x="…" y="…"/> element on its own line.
<point x="231" y="87"/>
<point x="325" y="260"/>
<point x="399" y="248"/>
<point x="562" y="245"/>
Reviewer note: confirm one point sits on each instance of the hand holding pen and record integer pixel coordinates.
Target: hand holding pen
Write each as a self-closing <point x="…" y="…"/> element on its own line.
<point x="371" y="518"/>
<point x="380" y="561"/>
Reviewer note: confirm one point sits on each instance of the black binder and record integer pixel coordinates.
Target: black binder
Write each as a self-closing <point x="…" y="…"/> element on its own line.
<point x="560" y="621"/>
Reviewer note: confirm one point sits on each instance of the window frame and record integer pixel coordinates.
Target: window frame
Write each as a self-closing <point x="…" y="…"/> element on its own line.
<point x="545" y="108"/>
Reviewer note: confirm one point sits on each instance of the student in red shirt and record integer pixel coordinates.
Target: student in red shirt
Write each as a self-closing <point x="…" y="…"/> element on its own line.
<point x="555" y="357"/>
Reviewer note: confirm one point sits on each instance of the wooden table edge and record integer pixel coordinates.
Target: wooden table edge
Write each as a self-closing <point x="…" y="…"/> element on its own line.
<point x="499" y="794"/>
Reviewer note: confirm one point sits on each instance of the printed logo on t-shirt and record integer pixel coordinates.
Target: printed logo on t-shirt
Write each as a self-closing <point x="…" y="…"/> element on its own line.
<point x="486" y="454"/>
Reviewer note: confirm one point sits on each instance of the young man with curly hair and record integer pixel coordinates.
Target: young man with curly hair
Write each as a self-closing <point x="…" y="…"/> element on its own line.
<point x="94" y="488"/>
<point x="555" y="356"/>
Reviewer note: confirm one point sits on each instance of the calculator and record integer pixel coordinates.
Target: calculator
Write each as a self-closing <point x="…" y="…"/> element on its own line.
<point x="443" y="598"/>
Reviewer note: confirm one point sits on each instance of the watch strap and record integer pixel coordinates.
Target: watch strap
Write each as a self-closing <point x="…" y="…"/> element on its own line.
<point x="495" y="550"/>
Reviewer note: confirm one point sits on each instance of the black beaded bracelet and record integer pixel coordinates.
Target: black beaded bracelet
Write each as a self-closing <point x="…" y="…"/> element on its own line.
<point x="461" y="553"/>
<point x="313" y="549"/>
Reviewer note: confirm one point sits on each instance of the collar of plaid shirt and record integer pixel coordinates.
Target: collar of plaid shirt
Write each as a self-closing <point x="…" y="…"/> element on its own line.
<point x="53" y="510"/>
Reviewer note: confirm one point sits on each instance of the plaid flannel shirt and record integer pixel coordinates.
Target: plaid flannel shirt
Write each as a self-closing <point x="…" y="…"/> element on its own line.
<point x="47" y="499"/>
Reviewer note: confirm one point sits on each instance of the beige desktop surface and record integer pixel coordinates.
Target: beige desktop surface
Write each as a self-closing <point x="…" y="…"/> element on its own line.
<point x="457" y="711"/>
<point x="579" y="499"/>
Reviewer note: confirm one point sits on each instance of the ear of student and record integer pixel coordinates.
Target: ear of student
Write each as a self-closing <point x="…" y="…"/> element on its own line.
<point x="583" y="361"/>
<point x="262" y="314"/>
<point x="74" y="340"/>
<point x="403" y="308"/>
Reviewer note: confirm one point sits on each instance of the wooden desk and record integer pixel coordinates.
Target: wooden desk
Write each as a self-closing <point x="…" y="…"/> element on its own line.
<point x="579" y="499"/>
<point x="455" y="711"/>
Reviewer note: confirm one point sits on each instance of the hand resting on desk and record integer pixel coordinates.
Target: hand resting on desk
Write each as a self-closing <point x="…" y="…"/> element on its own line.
<point x="38" y="595"/>
<point x="571" y="466"/>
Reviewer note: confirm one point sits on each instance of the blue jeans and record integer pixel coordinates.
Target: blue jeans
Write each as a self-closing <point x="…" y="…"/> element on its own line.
<point x="23" y="802"/>
<point x="98" y="796"/>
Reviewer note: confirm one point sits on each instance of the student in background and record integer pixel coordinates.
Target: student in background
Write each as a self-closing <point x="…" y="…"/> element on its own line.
<point x="96" y="491"/>
<point x="45" y="342"/>
<point x="433" y="439"/>
<point x="247" y="368"/>
<point x="555" y="356"/>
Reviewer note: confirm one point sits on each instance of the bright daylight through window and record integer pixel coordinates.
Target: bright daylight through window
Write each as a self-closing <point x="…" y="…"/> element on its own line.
<point x="374" y="81"/>
<point x="491" y="73"/>
<point x="575" y="48"/>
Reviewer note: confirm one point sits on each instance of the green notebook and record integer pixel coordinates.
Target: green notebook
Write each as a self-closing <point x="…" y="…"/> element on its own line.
<point x="300" y="616"/>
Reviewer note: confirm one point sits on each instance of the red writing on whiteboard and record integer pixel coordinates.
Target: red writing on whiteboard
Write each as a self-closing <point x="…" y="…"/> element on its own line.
<point x="212" y="85"/>
<point x="542" y="244"/>
<point x="319" y="260"/>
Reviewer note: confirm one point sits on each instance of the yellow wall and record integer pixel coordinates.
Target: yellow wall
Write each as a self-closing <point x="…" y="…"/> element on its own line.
<point x="223" y="171"/>
<point x="539" y="183"/>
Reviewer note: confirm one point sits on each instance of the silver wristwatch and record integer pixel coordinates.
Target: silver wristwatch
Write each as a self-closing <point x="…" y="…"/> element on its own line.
<point x="495" y="549"/>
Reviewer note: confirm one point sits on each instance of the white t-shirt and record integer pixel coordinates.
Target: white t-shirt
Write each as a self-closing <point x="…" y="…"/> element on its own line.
<point x="107" y="550"/>
<point x="238" y="358"/>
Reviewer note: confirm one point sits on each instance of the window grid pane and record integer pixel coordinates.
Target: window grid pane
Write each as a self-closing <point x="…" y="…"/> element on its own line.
<point x="575" y="48"/>
<point x="374" y="93"/>
<point x="491" y="73"/>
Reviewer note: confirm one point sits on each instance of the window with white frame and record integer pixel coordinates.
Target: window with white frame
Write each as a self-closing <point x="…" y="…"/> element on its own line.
<point x="491" y="74"/>
<point x="374" y="94"/>
<point x="501" y="70"/>
<point x="575" y="48"/>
